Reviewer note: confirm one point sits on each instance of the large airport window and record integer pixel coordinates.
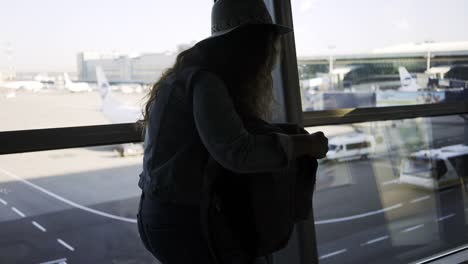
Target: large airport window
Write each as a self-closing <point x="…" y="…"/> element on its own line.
<point x="50" y="52"/>
<point x="70" y="206"/>
<point x="387" y="192"/>
<point x="380" y="53"/>
<point x="398" y="199"/>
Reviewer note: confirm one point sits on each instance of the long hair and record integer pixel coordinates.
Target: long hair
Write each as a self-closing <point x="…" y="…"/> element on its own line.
<point x="243" y="59"/>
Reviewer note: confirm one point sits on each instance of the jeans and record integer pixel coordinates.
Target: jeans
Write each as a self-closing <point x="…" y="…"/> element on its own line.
<point x="172" y="232"/>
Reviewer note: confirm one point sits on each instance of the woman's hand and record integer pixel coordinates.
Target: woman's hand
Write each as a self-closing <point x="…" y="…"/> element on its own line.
<point x="318" y="145"/>
<point x="314" y="145"/>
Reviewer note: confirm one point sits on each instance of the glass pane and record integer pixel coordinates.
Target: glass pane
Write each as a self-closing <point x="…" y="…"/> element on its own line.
<point x="392" y="191"/>
<point x="70" y="206"/>
<point x="380" y="53"/>
<point x="49" y="52"/>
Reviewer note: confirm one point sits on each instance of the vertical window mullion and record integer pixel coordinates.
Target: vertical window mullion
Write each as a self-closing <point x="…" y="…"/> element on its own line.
<point x="290" y="97"/>
<point x="288" y="66"/>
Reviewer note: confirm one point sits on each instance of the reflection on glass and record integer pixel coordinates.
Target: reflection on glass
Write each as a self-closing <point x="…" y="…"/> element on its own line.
<point x="70" y="206"/>
<point x="378" y="53"/>
<point x="392" y="191"/>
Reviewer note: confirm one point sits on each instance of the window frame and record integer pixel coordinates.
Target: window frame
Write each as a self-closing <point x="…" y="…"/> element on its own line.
<point x="21" y="141"/>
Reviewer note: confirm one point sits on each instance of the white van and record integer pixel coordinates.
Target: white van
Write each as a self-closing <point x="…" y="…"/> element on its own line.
<point x="435" y="168"/>
<point x="353" y="146"/>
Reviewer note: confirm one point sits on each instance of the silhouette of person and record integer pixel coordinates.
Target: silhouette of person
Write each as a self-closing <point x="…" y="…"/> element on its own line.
<point x="196" y="110"/>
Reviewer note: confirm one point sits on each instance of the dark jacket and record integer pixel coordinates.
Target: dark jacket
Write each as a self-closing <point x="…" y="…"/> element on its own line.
<point x="192" y="119"/>
<point x="253" y="214"/>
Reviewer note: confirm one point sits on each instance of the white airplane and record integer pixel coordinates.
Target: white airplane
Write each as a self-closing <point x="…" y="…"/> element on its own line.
<point x="118" y="112"/>
<point x="130" y="88"/>
<point x="75" y="87"/>
<point x="33" y="86"/>
<point x="408" y="83"/>
<point x="114" y="110"/>
<point x="314" y="84"/>
<point x="44" y="79"/>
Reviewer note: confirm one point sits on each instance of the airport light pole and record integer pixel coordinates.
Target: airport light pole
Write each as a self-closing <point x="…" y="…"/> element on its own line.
<point x="429" y="55"/>
<point x="9" y="54"/>
<point x="330" y="65"/>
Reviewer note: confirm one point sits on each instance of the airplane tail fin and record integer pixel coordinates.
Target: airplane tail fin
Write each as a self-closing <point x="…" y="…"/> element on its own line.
<point x="103" y="84"/>
<point x="408" y="83"/>
<point x="66" y="78"/>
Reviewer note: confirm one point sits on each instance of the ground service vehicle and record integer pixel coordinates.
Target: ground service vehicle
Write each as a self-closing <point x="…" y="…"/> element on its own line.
<point x="435" y="168"/>
<point x="358" y="145"/>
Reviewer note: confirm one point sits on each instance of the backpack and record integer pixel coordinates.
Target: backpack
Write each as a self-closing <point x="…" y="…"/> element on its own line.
<point x="245" y="216"/>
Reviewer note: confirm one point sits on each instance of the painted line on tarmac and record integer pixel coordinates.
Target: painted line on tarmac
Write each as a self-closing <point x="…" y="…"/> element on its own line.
<point x="342" y="219"/>
<point x="384" y="165"/>
<point x="18" y="212"/>
<point x="65" y="244"/>
<point x="57" y="261"/>
<point x="446" y="191"/>
<point x="422" y="198"/>
<point x="445" y="217"/>
<point x="375" y="240"/>
<point x="333" y="253"/>
<point x="79" y="206"/>
<point x="3" y="201"/>
<point x="409" y="229"/>
<point x="390" y="182"/>
<point x="39" y="226"/>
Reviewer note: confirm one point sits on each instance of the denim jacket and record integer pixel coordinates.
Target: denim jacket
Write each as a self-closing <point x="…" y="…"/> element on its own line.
<point x="192" y="119"/>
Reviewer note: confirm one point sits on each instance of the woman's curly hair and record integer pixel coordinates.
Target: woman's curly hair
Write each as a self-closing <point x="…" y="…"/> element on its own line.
<point x="244" y="60"/>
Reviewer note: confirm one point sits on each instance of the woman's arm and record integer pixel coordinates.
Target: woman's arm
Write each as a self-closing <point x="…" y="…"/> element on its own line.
<point x="223" y="134"/>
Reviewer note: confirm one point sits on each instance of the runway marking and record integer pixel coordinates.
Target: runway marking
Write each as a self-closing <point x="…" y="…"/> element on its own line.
<point x="39" y="226"/>
<point x="409" y="229"/>
<point x="18" y="212"/>
<point x="372" y="241"/>
<point x="420" y="199"/>
<point x="446" y="191"/>
<point x="385" y="183"/>
<point x="445" y="217"/>
<point x="79" y="206"/>
<point x="384" y="165"/>
<point x="334" y="220"/>
<point x="333" y="253"/>
<point x="65" y="244"/>
<point x="3" y="201"/>
<point x="57" y="261"/>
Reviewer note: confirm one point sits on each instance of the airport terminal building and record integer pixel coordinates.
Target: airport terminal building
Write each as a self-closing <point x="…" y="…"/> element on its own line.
<point x="122" y="67"/>
<point x="381" y="65"/>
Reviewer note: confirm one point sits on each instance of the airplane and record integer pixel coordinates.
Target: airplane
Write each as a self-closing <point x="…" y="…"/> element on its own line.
<point x="26" y="85"/>
<point x="408" y="83"/>
<point x="315" y="84"/>
<point x="13" y="86"/>
<point x="45" y="79"/>
<point x="118" y="112"/>
<point x="76" y="87"/>
<point x="130" y="88"/>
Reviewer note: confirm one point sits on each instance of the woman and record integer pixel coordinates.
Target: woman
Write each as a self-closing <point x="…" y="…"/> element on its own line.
<point x="197" y="110"/>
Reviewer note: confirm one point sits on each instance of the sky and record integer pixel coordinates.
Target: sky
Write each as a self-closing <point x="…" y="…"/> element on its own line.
<point x="46" y="35"/>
